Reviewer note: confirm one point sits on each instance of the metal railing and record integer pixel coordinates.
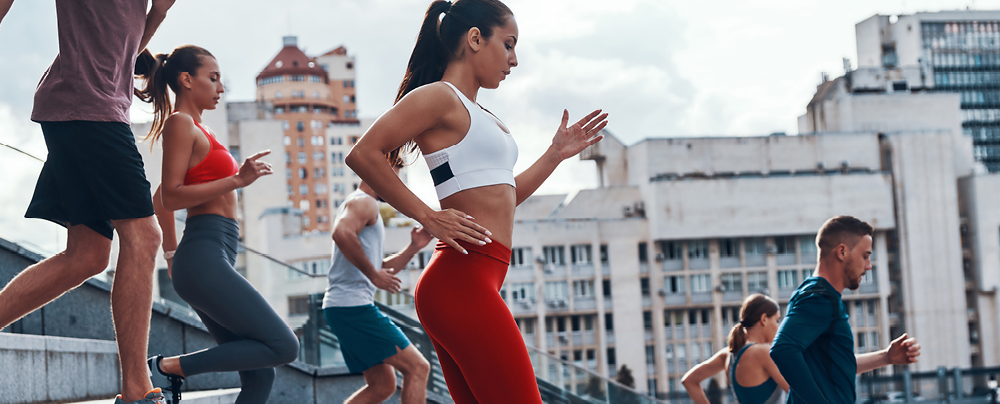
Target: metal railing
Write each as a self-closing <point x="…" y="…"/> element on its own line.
<point x="559" y="381"/>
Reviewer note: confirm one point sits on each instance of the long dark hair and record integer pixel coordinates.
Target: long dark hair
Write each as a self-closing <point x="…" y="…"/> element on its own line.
<point x="754" y="306"/>
<point x="160" y="72"/>
<point x="438" y="44"/>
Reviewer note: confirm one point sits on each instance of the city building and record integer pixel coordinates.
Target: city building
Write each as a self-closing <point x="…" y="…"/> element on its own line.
<point x="314" y="100"/>
<point x="950" y="52"/>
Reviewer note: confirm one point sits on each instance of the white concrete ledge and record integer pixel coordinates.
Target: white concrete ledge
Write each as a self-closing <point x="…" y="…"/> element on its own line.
<point x="42" y="369"/>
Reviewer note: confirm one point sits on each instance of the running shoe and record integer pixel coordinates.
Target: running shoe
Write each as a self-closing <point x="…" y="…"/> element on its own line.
<point x="168" y="382"/>
<point x="153" y="397"/>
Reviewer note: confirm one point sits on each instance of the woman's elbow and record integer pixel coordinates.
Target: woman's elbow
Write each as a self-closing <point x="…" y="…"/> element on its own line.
<point x="352" y="159"/>
<point x="170" y="202"/>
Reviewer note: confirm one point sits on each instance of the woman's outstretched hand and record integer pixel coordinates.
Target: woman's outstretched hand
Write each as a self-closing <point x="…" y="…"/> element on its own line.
<point x="253" y="169"/>
<point x="570" y="141"/>
<point x="451" y="225"/>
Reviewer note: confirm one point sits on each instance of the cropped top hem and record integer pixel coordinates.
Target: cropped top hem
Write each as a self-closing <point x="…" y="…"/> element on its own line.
<point x="216" y="165"/>
<point x="474" y="179"/>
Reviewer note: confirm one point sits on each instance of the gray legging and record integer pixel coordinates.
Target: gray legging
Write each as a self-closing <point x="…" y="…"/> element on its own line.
<point x="252" y="338"/>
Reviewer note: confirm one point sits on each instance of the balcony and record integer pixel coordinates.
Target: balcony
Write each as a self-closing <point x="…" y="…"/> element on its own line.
<point x="556" y="305"/>
<point x="608" y="304"/>
<point x="729" y="262"/>
<point x="643" y="267"/>
<point x="756" y="260"/>
<point x="648" y="334"/>
<point x="522" y="307"/>
<point x="701" y="297"/>
<point x="732" y="296"/>
<point x="679" y="332"/>
<point x="646" y="301"/>
<point x="695" y="332"/>
<point x="588" y="337"/>
<point x="605" y="270"/>
<point x="699" y="263"/>
<point x="674" y="299"/>
<point x="785" y="259"/>
<point x="673" y="265"/>
<point x="610" y="335"/>
<point x="554" y="271"/>
<point x="584" y="303"/>
<point x="668" y="333"/>
<point x="577" y="338"/>
<point x="583" y="270"/>
<point x="785" y="293"/>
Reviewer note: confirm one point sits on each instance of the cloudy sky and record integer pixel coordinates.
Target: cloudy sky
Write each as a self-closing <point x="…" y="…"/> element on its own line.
<point x="660" y="68"/>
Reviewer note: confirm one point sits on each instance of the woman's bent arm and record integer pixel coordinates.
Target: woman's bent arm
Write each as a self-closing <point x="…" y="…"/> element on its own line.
<point x="178" y="144"/>
<point x="693" y="378"/>
<point x="568" y="142"/>
<point x="420" y="111"/>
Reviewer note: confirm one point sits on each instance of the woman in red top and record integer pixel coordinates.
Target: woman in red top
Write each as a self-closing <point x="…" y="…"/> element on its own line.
<point x="201" y="176"/>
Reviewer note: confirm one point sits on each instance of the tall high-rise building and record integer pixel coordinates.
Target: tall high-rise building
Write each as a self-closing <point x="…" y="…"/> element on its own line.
<point x="952" y="51"/>
<point x="314" y="99"/>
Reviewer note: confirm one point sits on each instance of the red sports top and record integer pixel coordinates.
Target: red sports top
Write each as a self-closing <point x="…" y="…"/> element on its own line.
<point x="217" y="164"/>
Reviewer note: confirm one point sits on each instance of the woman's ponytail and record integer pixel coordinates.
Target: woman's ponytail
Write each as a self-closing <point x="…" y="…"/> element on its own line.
<point x="755" y="306"/>
<point x="445" y="25"/>
<point x="153" y="70"/>
<point x="737" y="337"/>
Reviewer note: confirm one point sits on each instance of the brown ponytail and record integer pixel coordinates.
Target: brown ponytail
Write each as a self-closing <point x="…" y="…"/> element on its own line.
<point x="160" y="72"/>
<point x="753" y="308"/>
<point x="445" y="24"/>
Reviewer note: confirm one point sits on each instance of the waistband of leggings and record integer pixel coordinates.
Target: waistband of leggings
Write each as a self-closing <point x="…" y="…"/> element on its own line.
<point x="493" y="250"/>
<point x="210" y="222"/>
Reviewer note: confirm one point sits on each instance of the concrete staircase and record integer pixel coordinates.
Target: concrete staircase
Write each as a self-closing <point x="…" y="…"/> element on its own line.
<point x="222" y="396"/>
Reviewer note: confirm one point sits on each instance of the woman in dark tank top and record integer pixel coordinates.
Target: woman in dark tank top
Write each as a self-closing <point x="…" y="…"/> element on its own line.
<point x="751" y="372"/>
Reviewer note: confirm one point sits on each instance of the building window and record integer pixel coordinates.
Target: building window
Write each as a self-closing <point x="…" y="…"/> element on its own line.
<point x="556" y="290"/>
<point x="287" y="141"/>
<point x="788" y="279"/>
<point x="583" y="289"/>
<point x="300" y="126"/>
<point x="784" y="245"/>
<point x="731" y="281"/>
<point x="303" y="189"/>
<point x="279" y="110"/>
<point x="606" y="288"/>
<point x="354" y="139"/>
<point x="698" y="250"/>
<point x="701" y="283"/>
<point x="609" y="323"/>
<point x="643" y="252"/>
<point x="302" y="173"/>
<point x="285" y="126"/>
<point x="604" y="254"/>
<point x="321" y="188"/>
<point x="674" y="284"/>
<point x="301" y="142"/>
<point x="304" y="205"/>
<point x="522" y="292"/>
<point x="809" y="249"/>
<point x="555" y="255"/>
<point x="757" y="282"/>
<point x="580" y="254"/>
<point x="315" y="79"/>
<point x="520" y="257"/>
<point x="277" y="95"/>
<point x="302" y="157"/>
<point x="729" y="248"/>
<point x="671" y="250"/>
<point x="298" y="305"/>
<point x="756" y="246"/>
<point x="318" y="156"/>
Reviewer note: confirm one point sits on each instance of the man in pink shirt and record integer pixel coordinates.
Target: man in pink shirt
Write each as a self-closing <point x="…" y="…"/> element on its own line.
<point x="93" y="181"/>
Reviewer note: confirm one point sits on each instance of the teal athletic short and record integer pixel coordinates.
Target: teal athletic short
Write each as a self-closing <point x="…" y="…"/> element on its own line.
<point x="367" y="337"/>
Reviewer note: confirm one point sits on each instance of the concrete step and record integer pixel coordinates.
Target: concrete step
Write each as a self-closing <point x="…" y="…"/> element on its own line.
<point x="223" y="396"/>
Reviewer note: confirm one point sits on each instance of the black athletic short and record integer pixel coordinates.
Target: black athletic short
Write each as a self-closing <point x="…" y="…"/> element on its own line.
<point x="93" y="174"/>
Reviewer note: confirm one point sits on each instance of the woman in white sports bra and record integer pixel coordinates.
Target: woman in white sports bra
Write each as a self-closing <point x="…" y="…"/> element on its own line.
<point x="461" y="48"/>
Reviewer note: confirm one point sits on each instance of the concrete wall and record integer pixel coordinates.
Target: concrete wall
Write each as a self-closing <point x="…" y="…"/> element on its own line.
<point x="48" y="369"/>
<point x="982" y="239"/>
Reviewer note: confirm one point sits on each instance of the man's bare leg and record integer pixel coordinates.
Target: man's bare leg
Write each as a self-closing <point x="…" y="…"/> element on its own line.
<point x="415" y="370"/>
<point x="86" y="255"/>
<point x="381" y="383"/>
<point x="132" y="301"/>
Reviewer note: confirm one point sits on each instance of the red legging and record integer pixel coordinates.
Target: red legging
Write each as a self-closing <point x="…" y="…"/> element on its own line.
<point x="481" y="350"/>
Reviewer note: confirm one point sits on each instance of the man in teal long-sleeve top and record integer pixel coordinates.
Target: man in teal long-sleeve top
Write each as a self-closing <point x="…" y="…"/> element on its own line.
<point x="814" y="346"/>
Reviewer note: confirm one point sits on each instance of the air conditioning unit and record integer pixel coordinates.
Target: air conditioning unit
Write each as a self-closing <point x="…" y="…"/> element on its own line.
<point x="563" y="336"/>
<point x="640" y="208"/>
<point x="525" y="304"/>
<point x="548" y="268"/>
<point x="662" y="292"/>
<point x="627" y="210"/>
<point x="660" y="257"/>
<point x="772" y="249"/>
<point x="540" y="259"/>
<point x="562" y="303"/>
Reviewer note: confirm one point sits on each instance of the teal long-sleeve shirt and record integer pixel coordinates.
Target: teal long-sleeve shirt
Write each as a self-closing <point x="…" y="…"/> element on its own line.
<point x="814" y="346"/>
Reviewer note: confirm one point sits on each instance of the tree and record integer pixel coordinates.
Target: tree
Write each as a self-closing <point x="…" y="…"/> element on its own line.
<point x="625" y="376"/>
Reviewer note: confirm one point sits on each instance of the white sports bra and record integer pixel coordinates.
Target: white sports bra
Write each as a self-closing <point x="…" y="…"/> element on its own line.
<point x="485" y="156"/>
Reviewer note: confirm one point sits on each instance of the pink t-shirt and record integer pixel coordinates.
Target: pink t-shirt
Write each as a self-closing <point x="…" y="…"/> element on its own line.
<point x="91" y="77"/>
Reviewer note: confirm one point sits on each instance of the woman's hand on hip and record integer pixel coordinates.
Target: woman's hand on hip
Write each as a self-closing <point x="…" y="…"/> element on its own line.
<point x="571" y="140"/>
<point x="451" y="226"/>
<point x="253" y="169"/>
